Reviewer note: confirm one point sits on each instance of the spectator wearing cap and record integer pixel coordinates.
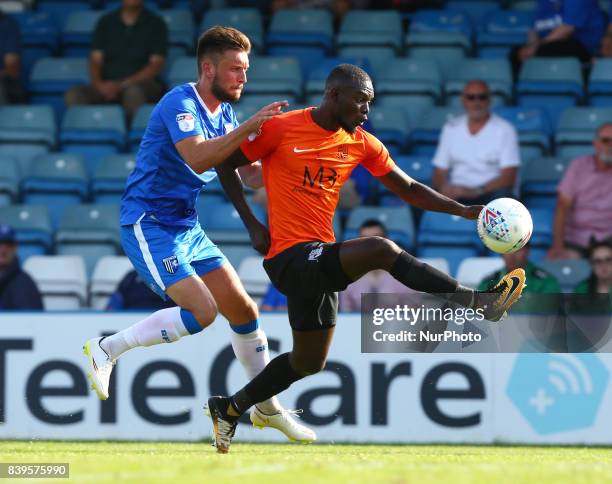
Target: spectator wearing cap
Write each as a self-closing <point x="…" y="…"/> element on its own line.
<point x="477" y="157"/>
<point x="17" y="289"/>
<point x="584" y="200"/>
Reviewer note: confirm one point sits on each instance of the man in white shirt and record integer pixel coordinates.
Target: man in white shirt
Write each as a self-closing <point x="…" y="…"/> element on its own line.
<point x="477" y="157"/>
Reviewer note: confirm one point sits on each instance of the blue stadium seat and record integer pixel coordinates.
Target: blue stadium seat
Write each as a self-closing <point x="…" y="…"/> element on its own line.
<point x="448" y="58"/>
<point x="448" y="20"/>
<point x="182" y="70"/>
<point x="55" y="180"/>
<point x="10" y="175"/>
<point x="389" y="126"/>
<point x="60" y="10"/>
<point x="397" y="220"/>
<point x="376" y="57"/>
<point x="237" y="253"/>
<point x="181" y="30"/>
<point x="93" y="131"/>
<point x="27" y="130"/>
<point x="315" y="81"/>
<point x="410" y="76"/>
<point x="568" y="272"/>
<point x="496" y="72"/>
<point x="600" y="83"/>
<point x="247" y="20"/>
<point x="39" y="39"/>
<point x="280" y="76"/>
<point x="434" y="40"/>
<point x="371" y="28"/>
<point x="532" y="126"/>
<point x="306" y="34"/>
<point x="552" y="84"/>
<point x="475" y="9"/>
<point x="78" y="32"/>
<point x="108" y="182"/>
<point x="438" y="228"/>
<point x="502" y="29"/>
<point x="542" y="228"/>
<point x="33" y="228"/>
<point x="52" y="77"/>
<point x="424" y="137"/>
<point x="139" y="124"/>
<point x="412" y="106"/>
<point x="453" y="254"/>
<point x="417" y="167"/>
<point x="223" y="224"/>
<point x="539" y="180"/>
<point x="577" y="128"/>
<point x="91" y="231"/>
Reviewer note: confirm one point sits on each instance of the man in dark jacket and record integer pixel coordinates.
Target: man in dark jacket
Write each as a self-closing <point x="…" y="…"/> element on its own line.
<point x="17" y="289"/>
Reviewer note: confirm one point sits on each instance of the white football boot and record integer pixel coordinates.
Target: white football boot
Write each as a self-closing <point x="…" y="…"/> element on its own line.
<point x="284" y="421"/>
<point x="100" y="367"/>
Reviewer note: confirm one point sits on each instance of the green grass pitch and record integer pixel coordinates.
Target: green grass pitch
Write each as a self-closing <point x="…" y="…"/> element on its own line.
<point x="180" y="463"/>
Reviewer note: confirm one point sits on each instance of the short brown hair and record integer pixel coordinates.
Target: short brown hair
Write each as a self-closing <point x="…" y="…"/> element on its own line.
<point x="216" y="40"/>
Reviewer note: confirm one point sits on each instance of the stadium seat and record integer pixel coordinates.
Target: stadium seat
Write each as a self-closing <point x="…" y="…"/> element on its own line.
<point x="90" y="231"/>
<point x="183" y="70"/>
<point x="389" y="126"/>
<point x="246" y="108"/>
<point x="500" y="30"/>
<point x="371" y="28"/>
<point x="52" y="77"/>
<point x="532" y="126"/>
<point x="440" y="28"/>
<point x="418" y="167"/>
<point x="419" y="77"/>
<point x="61" y="280"/>
<point x="60" y="10"/>
<point x="306" y="34"/>
<point x="78" y="32"/>
<point x="27" y="131"/>
<point x="600" y="83"/>
<point x="568" y="272"/>
<point x="93" y="131"/>
<point x="439" y="263"/>
<point x="424" y="138"/>
<point x="247" y="20"/>
<point x="552" y="84"/>
<point x="454" y="255"/>
<point x="438" y="228"/>
<point x="107" y="275"/>
<point x="315" y="80"/>
<point x="181" y="30"/>
<point x="411" y="106"/>
<point x="237" y="253"/>
<point x="39" y="39"/>
<point x="496" y="72"/>
<point x="280" y="76"/>
<point x="473" y="270"/>
<point x="139" y="124"/>
<point x="377" y="58"/>
<point x="108" y="182"/>
<point x="542" y="228"/>
<point x="447" y="58"/>
<point x="32" y="225"/>
<point x="10" y="174"/>
<point x="397" y="220"/>
<point x="223" y="224"/>
<point x="253" y="276"/>
<point x="539" y="180"/>
<point x="434" y="40"/>
<point x="475" y="9"/>
<point x="577" y="128"/>
<point x="55" y="180"/>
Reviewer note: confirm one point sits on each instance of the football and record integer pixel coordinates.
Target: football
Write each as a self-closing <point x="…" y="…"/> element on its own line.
<point x="505" y="225"/>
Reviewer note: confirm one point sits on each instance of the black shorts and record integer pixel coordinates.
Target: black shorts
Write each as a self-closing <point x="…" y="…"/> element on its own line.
<point x="310" y="275"/>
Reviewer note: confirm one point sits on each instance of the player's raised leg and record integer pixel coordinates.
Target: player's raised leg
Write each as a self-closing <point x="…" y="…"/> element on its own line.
<point x="250" y="345"/>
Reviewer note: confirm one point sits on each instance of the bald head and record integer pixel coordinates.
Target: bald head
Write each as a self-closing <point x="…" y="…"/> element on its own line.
<point x="348" y="76"/>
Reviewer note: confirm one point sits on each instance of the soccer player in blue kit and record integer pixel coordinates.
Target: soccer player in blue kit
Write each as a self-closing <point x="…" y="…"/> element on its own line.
<point x="191" y="130"/>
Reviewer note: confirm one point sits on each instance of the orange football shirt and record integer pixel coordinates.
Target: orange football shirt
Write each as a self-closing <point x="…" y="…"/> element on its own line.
<point x="304" y="167"/>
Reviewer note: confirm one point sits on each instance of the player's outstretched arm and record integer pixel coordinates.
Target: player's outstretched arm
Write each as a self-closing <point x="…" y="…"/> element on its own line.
<point x="422" y="196"/>
<point x="203" y="154"/>
<point x="260" y="237"/>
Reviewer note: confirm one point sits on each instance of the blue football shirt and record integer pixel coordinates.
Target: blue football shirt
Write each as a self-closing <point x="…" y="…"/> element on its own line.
<point x="162" y="183"/>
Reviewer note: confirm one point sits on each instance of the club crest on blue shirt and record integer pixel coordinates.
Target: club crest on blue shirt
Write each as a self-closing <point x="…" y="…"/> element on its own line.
<point x="171" y="264"/>
<point x="185" y="121"/>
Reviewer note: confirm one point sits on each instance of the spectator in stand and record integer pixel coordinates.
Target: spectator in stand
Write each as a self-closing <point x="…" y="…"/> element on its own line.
<point x="537" y="279"/>
<point x="378" y="281"/>
<point x="17" y="289"/>
<point x="584" y="200"/>
<point x="600" y="281"/>
<point x="11" y="90"/>
<point x="477" y="158"/>
<point x="133" y="293"/>
<point x="562" y="28"/>
<point x="128" y="52"/>
<point x="274" y="300"/>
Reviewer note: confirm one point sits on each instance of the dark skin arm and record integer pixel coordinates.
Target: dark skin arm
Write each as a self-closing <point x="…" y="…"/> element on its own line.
<point x="421" y="196"/>
<point x="258" y="232"/>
